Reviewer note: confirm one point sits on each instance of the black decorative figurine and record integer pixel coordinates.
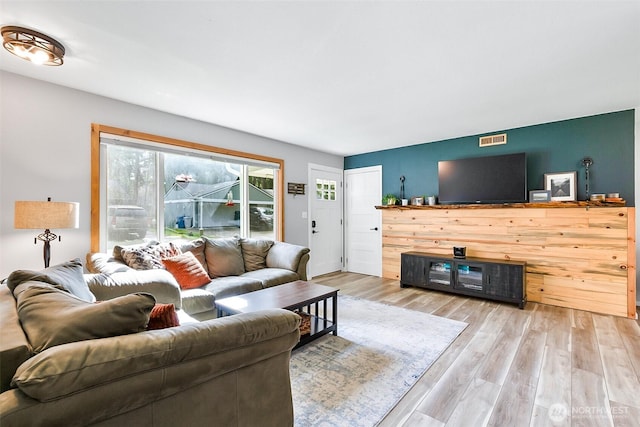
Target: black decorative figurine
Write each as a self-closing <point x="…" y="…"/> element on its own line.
<point x="587" y="162"/>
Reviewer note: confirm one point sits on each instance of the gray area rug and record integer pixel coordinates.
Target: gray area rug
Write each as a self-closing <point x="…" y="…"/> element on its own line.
<point x="356" y="378"/>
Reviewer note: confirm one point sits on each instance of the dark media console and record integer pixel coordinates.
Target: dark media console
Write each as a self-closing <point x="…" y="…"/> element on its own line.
<point x="478" y="277"/>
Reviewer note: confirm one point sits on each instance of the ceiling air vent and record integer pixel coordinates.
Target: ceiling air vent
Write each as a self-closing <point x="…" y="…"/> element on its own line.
<point x="487" y="141"/>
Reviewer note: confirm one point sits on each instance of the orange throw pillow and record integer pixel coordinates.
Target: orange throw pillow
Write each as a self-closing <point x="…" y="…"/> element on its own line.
<point x="187" y="270"/>
<point x="163" y="316"/>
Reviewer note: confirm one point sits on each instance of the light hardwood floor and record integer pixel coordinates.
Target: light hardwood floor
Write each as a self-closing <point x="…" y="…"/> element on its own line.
<point x="541" y="366"/>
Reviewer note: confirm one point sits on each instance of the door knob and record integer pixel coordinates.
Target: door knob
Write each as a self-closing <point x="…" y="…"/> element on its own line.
<point x="313" y="231"/>
<point x="374" y="229"/>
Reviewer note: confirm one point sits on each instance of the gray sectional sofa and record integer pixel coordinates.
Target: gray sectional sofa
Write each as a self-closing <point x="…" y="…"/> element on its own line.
<point x="68" y="361"/>
<point x="233" y="265"/>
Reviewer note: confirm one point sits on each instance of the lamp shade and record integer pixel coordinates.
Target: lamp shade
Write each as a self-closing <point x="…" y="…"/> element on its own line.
<point x="46" y="215"/>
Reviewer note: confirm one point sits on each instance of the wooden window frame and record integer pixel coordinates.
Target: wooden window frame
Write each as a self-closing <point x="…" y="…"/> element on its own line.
<point x="97" y="129"/>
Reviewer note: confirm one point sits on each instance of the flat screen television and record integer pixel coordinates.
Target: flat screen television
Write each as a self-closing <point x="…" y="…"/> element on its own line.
<point x="493" y="179"/>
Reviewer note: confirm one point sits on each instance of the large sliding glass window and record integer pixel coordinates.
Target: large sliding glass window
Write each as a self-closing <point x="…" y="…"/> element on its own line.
<point x="151" y="190"/>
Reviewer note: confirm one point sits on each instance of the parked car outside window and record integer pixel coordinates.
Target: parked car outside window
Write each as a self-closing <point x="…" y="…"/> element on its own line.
<point x="127" y="222"/>
<point x="267" y="212"/>
<point x="259" y="220"/>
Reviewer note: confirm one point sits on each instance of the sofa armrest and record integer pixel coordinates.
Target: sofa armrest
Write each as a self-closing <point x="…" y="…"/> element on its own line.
<point x="98" y="262"/>
<point x="289" y="256"/>
<point x="302" y="266"/>
<point x="14" y="345"/>
<point x="159" y="283"/>
<point x="218" y="346"/>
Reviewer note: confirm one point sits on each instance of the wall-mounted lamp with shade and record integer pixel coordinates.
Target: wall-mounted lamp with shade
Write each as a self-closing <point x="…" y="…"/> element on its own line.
<point x="46" y="215"/>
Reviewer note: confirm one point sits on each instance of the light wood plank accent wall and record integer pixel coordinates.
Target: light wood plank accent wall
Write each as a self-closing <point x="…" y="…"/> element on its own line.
<point x="582" y="258"/>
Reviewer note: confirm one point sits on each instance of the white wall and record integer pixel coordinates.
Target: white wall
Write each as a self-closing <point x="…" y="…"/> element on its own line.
<point x="45" y="151"/>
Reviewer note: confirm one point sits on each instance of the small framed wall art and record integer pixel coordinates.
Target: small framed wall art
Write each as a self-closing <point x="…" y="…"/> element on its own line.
<point x="539" y="196"/>
<point x="561" y="185"/>
<point x="295" y="188"/>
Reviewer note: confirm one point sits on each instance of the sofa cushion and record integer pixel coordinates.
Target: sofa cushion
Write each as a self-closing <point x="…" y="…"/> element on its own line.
<point x="223" y="287"/>
<point x="163" y="316"/>
<point x="149" y="256"/>
<point x="224" y="257"/>
<point x="272" y="276"/>
<point x="51" y="317"/>
<point x="67" y="276"/>
<point x="197" y="300"/>
<point x="187" y="270"/>
<point x="254" y="252"/>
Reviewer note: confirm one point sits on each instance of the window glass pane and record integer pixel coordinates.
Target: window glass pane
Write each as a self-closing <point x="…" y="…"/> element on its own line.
<point x="261" y="202"/>
<point x="326" y="189"/>
<point x="130" y="195"/>
<point x="202" y="197"/>
<point x="160" y="195"/>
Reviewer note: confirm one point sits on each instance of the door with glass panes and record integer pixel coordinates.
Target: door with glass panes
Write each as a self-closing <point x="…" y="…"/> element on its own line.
<point x="325" y="220"/>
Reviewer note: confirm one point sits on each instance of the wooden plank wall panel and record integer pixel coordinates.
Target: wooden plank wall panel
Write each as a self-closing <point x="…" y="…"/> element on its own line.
<point x="582" y="258"/>
<point x="632" y="271"/>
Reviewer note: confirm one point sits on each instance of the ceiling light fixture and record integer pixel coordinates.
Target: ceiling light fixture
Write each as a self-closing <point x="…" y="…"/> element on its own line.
<point x="32" y="46"/>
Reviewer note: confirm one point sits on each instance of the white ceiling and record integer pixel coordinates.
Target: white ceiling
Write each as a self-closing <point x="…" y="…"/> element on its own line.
<point x="346" y="77"/>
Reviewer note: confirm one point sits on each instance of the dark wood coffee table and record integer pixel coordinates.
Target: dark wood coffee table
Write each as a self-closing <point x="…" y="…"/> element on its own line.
<point x="307" y="297"/>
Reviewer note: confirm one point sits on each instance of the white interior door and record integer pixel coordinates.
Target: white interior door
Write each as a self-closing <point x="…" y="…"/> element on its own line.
<point x="325" y="220"/>
<point x="363" y="191"/>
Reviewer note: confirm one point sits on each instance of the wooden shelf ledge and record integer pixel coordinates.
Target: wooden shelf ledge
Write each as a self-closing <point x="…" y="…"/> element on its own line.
<point x="512" y="205"/>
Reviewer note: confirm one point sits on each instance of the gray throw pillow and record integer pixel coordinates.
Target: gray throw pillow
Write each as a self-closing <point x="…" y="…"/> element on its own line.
<point x="254" y="252"/>
<point x="52" y="317"/>
<point x="224" y="257"/>
<point x="67" y="276"/>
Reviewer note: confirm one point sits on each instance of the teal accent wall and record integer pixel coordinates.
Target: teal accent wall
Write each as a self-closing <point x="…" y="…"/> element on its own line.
<point x="551" y="147"/>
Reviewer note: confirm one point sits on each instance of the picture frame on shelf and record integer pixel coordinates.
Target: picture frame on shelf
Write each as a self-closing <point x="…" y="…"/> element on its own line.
<point x="561" y="185"/>
<point x="539" y="196"/>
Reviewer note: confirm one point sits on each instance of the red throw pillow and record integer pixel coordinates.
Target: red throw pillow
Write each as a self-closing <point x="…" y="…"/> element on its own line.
<point x="163" y="316"/>
<point x="187" y="270"/>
